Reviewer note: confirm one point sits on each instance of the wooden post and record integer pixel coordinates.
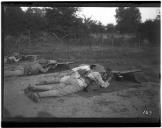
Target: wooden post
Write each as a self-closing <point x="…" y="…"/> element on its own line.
<point x="112" y="42"/>
<point x="17" y="45"/>
<point x="29" y="34"/>
<point x="112" y="39"/>
<point x="61" y="41"/>
<point x="139" y="44"/>
<point x="102" y="44"/>
<point x="68" y="51"/>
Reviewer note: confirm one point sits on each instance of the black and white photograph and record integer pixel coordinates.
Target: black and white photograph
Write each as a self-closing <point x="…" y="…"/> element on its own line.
<point x="81" y="60"/>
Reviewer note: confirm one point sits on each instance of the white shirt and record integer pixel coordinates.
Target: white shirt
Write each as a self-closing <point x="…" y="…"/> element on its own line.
<point x="83" y="67"/>
<point x="13" y="58"/>
<point x="76" y="76"/>
<point x="80" y="80"/>
<point x="92" y="75"/>
<point x="97" y="77"/>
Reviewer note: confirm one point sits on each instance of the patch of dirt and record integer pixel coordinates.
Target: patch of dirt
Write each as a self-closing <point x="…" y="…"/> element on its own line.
<point x="44" y="114"/>
<point x="6" y="113"/>
<point x="120" y="99"/>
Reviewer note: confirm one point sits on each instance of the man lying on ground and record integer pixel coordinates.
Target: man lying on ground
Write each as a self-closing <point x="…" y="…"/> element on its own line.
<point x="105" y="73"/>
<point x="77" y="80"/>
<point x="30" y="68"/>
<point x="14" y="58"/>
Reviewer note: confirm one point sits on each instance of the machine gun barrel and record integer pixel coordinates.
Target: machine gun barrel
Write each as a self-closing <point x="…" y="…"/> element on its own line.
<point x="126" y="72"/>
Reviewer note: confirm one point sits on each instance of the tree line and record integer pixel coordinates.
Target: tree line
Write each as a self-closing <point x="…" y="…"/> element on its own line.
<point x="64" y="22"/>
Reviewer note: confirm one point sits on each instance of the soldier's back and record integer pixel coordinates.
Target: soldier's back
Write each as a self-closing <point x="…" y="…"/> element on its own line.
<point x="32" y="68"/>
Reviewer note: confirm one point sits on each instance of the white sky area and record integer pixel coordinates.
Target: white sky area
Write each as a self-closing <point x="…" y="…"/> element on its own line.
<point x="106" y="15"/>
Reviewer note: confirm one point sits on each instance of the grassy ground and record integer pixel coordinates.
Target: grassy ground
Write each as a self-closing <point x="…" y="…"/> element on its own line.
<point x="121" y="99"/>
<point x="117" y="58"/>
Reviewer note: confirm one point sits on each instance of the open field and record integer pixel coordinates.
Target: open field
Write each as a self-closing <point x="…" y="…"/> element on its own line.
<point x="121" y="99"/>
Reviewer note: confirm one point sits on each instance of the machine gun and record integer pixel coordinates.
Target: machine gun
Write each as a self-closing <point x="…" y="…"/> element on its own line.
<point x="127" y="71"/>
<point x="58" y="66"/>
<point x="125" y="75"/>
<point x="29" y="57"/>
<point x="128" y="75"/>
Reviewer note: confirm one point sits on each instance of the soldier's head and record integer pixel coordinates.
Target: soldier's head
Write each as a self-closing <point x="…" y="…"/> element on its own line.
<point x="105" y="72"/>
<point x="15" y="54"/>
<point x="105" y="75"/>
<point x="97" y="67"/>
<point x="43" y="62"/>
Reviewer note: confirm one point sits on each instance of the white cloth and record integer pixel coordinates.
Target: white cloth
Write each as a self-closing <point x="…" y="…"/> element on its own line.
<point x="13" y="58"/>
<point x="80" y="80"/>
<point x="82" y="67"/>
<point x="76" y="76"/>
<point x="52" y="61"/>
<point x="96" y="76"/>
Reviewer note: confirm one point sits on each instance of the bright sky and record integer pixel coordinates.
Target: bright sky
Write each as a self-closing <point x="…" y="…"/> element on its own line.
<point x="106" y="15"/>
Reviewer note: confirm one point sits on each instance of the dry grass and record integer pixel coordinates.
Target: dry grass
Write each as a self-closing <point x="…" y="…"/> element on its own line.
<point x="122" y="98"/>
<point x="117" y="58"/>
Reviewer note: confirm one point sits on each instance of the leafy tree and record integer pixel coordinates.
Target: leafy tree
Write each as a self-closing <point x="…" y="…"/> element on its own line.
<point x="14" y="22"/>
<point x="100" y="27"/>
<point x="127" y="19"/>
<point x="110" y="28"/>
<point x="93" y="26"/>
<point x="62" y="20"/>
<point x="150" y="30"/>
<point x="35" y="20"/>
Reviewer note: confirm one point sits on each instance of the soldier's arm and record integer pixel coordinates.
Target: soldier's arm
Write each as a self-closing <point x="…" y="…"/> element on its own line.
<point x="102" y="83"/>
<point x="110" y="77"/>
<point x="98" y="79"/>
<point x="43" y="69"/>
